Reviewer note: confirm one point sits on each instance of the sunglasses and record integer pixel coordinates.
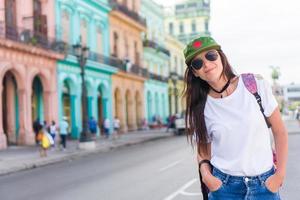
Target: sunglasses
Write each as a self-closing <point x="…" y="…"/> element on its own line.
<point x="211" y="55"/>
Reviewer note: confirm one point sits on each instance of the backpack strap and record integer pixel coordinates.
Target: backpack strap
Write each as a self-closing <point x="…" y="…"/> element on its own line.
<point x="250" y="83"/>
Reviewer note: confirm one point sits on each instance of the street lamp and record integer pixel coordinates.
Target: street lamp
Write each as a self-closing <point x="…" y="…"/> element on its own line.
<point x="82" y="53"/>
<point x="174" y="77"/>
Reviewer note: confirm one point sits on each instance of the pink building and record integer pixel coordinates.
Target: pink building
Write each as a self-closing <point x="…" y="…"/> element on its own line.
<point x="27" y="68"/>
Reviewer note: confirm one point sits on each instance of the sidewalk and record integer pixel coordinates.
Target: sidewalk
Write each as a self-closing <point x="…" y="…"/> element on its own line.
<point x="17" y="158"/>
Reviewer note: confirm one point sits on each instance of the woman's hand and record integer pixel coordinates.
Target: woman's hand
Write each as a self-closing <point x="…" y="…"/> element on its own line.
<point x="274" y="182"/>
<point x="212" y="182"/>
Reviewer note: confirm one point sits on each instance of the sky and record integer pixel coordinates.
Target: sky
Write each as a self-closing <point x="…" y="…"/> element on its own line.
<point x="258" y="34"/>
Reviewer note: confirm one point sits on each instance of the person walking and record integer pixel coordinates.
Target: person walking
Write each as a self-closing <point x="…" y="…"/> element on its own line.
<point x="53" y="131"/>
<point x="116" y="127"/>
<point x="63" y="131"/>
<point x="106" y="126"/>
<point x="228" y="125"/>
<point x="93" y="127"/>
<point x="36" y="128"/>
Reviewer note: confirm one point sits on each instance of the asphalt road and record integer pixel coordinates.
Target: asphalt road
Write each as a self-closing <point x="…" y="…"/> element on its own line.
<point x="160" y="170"/>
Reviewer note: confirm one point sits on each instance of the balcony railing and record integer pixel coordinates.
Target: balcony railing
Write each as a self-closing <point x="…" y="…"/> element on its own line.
<point x="152" y="44"/>
<point x="136" y="69"/>
<point x="94" y="56"/>
<point x="157" y="77"/>
<point x="133" y="15"/>
<point x="30" y="37"/>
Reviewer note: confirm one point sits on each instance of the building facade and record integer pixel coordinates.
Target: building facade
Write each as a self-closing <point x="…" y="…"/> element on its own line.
<point x="176" y="70"/>
<point x="188" y="20"/>
<point x="85" y="22"/>
<point x="156" y="60"/>
<point x="126" y="28"/>
<point x="28" y="56"/>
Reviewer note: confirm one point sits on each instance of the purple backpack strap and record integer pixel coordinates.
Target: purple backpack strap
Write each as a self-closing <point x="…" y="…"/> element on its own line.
<point x="250" y="83"/>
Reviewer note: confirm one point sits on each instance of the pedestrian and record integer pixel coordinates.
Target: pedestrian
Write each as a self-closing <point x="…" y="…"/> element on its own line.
<point x="106" y="126"/>
<point x="36" y="128"/>
<point x="44" y="141"/>
<point x="116" y="127"/>
<point x="63" y="132"/>
<point x="229" y="127"/>
<point x="93" y="126"/>
<point x="53" y="131"/>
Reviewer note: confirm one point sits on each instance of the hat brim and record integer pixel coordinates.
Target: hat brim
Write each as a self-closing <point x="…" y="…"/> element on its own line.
<point x="190" y="57"/>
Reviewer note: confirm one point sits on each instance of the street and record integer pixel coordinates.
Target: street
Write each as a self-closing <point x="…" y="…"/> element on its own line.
<point x="160" y="170"/>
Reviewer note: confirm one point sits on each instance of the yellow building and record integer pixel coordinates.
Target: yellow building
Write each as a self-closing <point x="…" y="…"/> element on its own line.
<point x="176" y="71"/>
<point x="126" y="27"/>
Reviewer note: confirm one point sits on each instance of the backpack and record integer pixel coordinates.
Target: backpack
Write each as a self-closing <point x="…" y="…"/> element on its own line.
<point x="250" y="84"/>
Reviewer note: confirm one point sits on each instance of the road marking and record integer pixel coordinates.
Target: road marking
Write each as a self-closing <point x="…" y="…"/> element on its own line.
<point x="170" y="165"/>
<point x="182" y="192"/>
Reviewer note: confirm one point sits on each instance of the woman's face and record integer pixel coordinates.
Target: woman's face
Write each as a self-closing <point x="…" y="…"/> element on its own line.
<point x="211" y="65"/>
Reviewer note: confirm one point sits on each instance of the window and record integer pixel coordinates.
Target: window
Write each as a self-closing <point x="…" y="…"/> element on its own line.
<point x="99" y="40"/>
<point x="10" y="14"/>
<point x="193" y="26"/>
<point x="192" y="5"/>
<point x="171" y="28"/>
<point x="176" y="64"/>
<point x="181" y="28"/>
<point x="115" y="47"/>
<point x="83" y="31"/>
<point x="65" y="23"/>
<point x="206" y="25"/>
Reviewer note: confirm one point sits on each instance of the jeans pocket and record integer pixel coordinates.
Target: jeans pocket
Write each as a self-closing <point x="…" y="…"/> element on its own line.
<point x="266" y="187"/>
<point x="219" y="188"/>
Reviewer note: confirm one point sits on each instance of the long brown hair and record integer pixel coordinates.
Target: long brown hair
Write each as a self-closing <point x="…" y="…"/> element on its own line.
<point x="195" y="92"/>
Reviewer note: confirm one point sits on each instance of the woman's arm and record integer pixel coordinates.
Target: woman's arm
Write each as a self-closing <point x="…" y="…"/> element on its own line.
<point x="281" y="147"/>
<point x="210" y="181"/>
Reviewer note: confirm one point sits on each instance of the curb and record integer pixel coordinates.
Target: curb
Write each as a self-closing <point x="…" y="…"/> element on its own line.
<point x="75" y="155"/>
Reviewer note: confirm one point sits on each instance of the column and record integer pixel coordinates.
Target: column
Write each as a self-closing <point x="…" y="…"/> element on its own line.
<point x="26" y="135"/>
<point x="3" y="143"/>
<point x="11" y="110"/>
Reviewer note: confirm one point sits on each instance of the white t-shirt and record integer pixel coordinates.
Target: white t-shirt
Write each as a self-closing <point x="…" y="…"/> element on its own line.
<point x="239" y="136"/>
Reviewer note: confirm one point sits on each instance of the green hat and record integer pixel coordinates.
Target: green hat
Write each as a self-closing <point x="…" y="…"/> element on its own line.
<point x="199" y="45"/>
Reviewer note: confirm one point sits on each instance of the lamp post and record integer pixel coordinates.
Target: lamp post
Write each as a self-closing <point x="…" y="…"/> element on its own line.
<point x="82" y="53"/>
<point x="174" y="78"/>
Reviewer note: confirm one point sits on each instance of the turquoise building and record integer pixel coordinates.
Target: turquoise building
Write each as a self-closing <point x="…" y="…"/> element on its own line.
<point x="156" y="60"/>
<point x="85" y="21"/>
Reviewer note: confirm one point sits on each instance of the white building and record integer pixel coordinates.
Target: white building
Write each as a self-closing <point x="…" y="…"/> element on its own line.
<point x="291" y="92"/>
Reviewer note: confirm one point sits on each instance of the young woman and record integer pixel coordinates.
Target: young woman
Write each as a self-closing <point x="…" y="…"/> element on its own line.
<point x="229" y="128"/>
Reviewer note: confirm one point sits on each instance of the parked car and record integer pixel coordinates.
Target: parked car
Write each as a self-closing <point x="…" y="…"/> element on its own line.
<point x="179" y="126"/>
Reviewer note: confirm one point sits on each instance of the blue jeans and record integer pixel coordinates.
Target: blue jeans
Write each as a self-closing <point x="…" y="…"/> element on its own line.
<point x="242" y="187"/>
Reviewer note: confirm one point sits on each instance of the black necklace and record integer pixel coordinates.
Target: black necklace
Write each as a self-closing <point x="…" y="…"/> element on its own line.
<point x="223" y="89"/>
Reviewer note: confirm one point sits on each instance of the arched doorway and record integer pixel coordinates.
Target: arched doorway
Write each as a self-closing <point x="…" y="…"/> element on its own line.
<point x="156" y="102"/>
<point x="138" y="109"/>
<point x="37" y="107"/>
<point x="100" y="109"/>
<point x="118" y="107"/>
<point x="128" y="110"/>
<point x="149" y="106"/>
<point x="66" y="102"/>
<point x="10" y="108"/>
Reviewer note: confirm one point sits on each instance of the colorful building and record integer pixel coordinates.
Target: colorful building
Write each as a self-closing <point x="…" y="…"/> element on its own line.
<point x="156" y="60"/>
<point x="188" y="19"/>
<point x="126" y="27"/>
<point x="28" y="57"/>
<point x="176" y="71"/>
<point x="85" y="21"/>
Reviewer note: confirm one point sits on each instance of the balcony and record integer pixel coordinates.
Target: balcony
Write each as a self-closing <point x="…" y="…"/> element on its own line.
<point x="154" y="45"/>
<point x="30" y="37"/>
<point x="133" y="15"/>
<point x="96" y="57"/>
<point x="158" y="77"/>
